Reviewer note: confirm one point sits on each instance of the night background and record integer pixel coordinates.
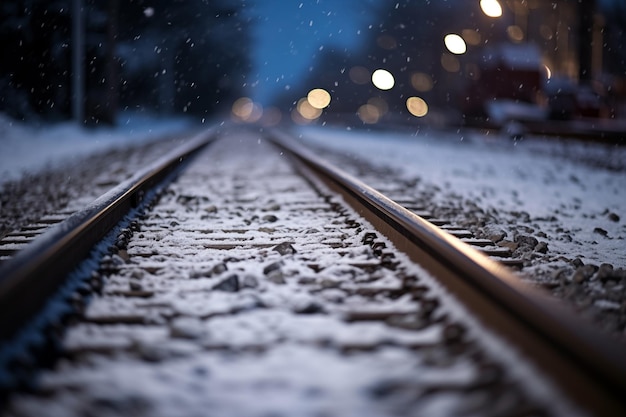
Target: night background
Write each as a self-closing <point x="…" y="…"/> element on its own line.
<point x="556" y="60"/>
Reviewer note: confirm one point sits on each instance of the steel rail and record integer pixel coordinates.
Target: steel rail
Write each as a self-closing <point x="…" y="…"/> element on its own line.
<point x="36" y="273"/>
<point x="586" y="364"/>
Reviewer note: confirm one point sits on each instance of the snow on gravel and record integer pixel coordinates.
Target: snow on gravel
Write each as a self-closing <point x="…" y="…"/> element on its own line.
<point x="571" y="191"/>
<point x="279" y="360"/>
<point x="27" y="149"/>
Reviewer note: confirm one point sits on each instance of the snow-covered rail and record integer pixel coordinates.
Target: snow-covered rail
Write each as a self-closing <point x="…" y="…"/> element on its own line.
<point x="254" y="286"/>
<point x="38" y="270"/>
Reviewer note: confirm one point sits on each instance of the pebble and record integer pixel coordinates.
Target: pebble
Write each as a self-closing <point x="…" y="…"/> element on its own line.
<point x="276" y="276"/>
<point x="494" y="234"/>
<point x="601" y="231"/>
<point x="137" y="273"/>
<point x="272" y="267"/>
<point x="605" y="272"/>
<point x="285" y="248"/>
<point x="219" y="268"/>
<point x="270" y="218"/>
<point x="228" y="284"/>
<point x="613" y="217"/>
<point x="583" y="273"/>
<point x="309" y="307"/>
<point x="135" y="285"/>
<point x="330" y="283"/>
<point x="525" y="240"/>
<point x="508" y="244"/>
<point x="541" y="247"/>
<point x="454" y="333"/>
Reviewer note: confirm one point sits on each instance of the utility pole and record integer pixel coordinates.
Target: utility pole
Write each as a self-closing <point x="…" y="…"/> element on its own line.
<point x="78" y="52"/>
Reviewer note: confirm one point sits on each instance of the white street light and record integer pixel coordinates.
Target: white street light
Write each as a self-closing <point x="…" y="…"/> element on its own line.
<point x="491" y="8"/>
<point x="455" y="44"/>
<point x="383" y="79"/>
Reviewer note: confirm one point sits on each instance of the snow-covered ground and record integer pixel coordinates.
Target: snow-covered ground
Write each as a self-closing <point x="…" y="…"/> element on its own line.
<point x="27" y="149"/>
<point x="571" y="191"/>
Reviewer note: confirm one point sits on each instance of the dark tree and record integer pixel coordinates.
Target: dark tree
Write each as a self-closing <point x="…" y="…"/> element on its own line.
<point x="184" y="56"/>
<point x="173" y="56"/>
<point x="34" y="69"/>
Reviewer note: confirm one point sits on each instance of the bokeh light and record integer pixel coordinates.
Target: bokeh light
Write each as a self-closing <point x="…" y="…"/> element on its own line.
<point x="246" y="110"/>
<point x="548" y="71"/>
<point x="380" y="104"/>
<point x="242" y="108"/>
<point x="306" y="110"/>
<point x="421" y="81"/>
<point x="455" y="44"/>
<point x="296" y="117"/>
<point x="359" y="75"/>
<point x="383" y="79"/>
<point x="368" y="114"/>
<point x="471" y="36"/>
<point x="318" y="98"/>
<point x="417" y="106"/>
<point x="450" y="63"/>
<point x="491" y="8"/>
<point x="516" y="34"/>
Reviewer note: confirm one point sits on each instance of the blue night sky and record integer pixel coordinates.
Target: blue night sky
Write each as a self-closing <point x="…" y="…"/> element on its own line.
<point x="289" y="34"/>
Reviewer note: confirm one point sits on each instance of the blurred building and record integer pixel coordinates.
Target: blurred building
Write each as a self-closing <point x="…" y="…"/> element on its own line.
<point x="578" y="77"/>
<point x="463" y="59"/>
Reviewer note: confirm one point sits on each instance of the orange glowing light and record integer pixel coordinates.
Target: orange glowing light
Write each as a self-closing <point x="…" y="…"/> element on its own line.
<point x="516" y="34"/>
<point x="471" y="36"/>
<point x="368" y="114"/>
<point x="380" y="104"/>
<point x="450" y="63"/>
<point x="307" y="111"/>
<point x="246" y="110"/>
<point x="417" y="106"/>
<point x="297" y="118"/>
<point x="421" y="81"/>
<point x="318" y="98"/>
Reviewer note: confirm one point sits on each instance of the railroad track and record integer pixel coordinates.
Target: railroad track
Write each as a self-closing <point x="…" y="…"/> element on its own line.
<point x="265" y="280"/>
<point x="55" y="194"/>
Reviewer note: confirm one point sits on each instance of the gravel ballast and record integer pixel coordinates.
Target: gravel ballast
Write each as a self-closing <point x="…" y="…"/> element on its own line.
<point x="558" y="205"/>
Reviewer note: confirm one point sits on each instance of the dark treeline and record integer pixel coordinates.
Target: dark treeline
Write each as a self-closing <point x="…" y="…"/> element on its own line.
<point x="170" y="56"/>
